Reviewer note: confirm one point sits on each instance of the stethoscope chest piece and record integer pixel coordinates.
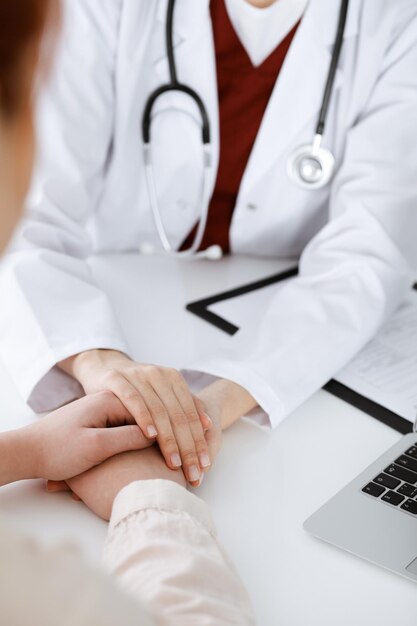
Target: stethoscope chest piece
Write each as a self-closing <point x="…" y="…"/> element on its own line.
<point x="311" y="166"/>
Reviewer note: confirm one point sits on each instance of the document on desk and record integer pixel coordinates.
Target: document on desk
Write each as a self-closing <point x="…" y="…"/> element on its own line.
<point x="385" y="371"/>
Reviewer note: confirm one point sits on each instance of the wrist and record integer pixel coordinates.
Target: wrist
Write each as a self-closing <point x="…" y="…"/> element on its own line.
<point x="80" y="364"/>
<point x="227" y="400"/>
<point x="20" y="455"/>
<point x="70" y="364"/>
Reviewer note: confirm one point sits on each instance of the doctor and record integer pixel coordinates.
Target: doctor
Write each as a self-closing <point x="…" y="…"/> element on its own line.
<point x="120" y="171"/>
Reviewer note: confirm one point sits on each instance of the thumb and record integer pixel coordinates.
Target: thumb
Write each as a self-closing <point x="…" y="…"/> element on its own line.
<point x="214" y="441"/>
<point x="119" y="439"/>
<point x="205" y="420"/>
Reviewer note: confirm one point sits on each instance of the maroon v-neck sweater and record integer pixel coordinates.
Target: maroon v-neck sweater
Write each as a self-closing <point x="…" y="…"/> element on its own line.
<point x="244" y="92"/>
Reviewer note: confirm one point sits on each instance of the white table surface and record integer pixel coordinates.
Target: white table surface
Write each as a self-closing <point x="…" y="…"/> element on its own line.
<point x="264" y="484"/>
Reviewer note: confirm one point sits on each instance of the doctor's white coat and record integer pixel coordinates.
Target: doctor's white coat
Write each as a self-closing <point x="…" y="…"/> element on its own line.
<point x="355" y="238"/>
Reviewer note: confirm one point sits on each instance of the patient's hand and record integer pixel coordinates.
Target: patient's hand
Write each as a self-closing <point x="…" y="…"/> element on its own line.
<point x="80" y="435"/>
<point x="98" y="487"/>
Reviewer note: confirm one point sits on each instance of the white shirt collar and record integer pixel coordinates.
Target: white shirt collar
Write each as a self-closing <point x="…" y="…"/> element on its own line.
<point x="262" y="30"/>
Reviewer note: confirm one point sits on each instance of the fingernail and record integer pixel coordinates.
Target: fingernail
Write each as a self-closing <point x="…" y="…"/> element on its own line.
<point x="152" y="432"/>
<point x="176" y="460"/>
<point x="205" y="460"/>
<point x="52" y="486"/>
<point x="208" y="418"/>
<point x="193" y="474"/>
<point x="201" y="480"/>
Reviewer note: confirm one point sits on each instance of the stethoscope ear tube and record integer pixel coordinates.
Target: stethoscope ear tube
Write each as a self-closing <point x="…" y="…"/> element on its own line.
<point x="333" y="67"/>
<point x="156" y="213"/>
<point x="150" y="103"/>
<point x="173" y="85"/>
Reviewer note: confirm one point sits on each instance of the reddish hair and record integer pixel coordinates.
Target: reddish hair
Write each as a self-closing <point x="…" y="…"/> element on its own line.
<point x="22" y="23"/>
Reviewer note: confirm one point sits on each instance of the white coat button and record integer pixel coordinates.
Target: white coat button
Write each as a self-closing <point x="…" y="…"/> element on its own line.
<point x="251" y="206"/>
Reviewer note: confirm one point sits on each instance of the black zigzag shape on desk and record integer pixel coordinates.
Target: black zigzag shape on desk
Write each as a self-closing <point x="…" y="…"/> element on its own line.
<point x="200" y="307"/>
<point x="379" y="412"/>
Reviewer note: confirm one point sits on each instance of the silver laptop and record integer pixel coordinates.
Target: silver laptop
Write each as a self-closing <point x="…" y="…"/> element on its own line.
<point x="375" y="516"/>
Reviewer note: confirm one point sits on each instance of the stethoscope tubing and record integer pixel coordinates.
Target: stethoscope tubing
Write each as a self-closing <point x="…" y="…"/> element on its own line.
<point x="312" y="159"/>
<point x="328" y="90"/>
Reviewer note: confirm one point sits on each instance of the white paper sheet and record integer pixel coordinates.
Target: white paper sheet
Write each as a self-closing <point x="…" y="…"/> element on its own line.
<point x="385" y="371"/>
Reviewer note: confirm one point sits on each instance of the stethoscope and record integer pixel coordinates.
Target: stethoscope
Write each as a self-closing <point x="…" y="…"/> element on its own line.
<point x="311" y="166"/>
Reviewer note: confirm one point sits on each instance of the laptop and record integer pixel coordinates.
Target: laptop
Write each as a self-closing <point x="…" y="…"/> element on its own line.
<point x="375" y="516"/>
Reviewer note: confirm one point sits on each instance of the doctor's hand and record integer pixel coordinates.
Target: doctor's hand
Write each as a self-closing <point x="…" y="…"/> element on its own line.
<point x="79" y="436"/>
<point x="158" y="398"/>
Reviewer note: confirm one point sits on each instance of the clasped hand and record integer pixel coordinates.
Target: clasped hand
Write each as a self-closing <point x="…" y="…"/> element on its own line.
<point x="159" y="400"/>
<point x="81" y="435"/>
<point x="94" y="448"/>
<point x="97" y="449"/>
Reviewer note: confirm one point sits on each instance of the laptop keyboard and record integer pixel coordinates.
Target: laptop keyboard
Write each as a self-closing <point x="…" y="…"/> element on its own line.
<point x="397" y="484"/>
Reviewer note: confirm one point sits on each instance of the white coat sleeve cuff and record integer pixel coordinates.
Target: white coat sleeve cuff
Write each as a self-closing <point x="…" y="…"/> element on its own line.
<point x="163" y="495"/>
<point x="46" y="387"/>
<point x="270" y="411"/>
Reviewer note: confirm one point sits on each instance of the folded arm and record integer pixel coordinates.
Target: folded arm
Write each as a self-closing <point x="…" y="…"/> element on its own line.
<point x="356" y="270"/>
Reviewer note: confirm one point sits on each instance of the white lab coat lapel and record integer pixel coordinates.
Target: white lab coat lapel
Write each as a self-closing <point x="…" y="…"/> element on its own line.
<point x="298" y="93"/>
<point x="195" y="60"/>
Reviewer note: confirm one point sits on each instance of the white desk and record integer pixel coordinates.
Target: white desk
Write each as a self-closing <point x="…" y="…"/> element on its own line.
<point x="264" y="484"/>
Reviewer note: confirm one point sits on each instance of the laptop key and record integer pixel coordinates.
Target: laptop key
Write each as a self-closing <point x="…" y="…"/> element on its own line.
<point x="401" y="473"/>
<point x="412" y="452"/>
<point x="408" y="490"/>
<point x="410" y="506"/>
<point x="406" y="461"/>
<point x="393" y="498"/>
<point x="388" y="481"/>
<point x="374" y="490"/>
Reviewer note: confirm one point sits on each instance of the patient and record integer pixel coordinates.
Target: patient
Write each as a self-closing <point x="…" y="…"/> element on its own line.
<point x="161" y="542"/>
